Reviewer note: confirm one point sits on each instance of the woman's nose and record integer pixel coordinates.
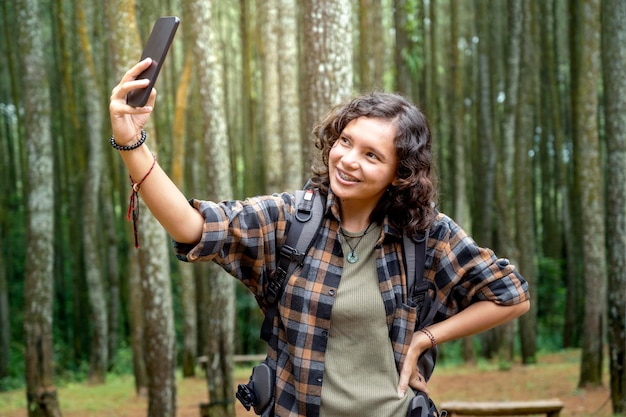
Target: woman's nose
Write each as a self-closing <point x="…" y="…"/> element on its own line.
<point x="350" y="158"/>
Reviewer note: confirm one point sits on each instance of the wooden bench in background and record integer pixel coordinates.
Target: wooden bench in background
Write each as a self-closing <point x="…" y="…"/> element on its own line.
<point x="551" y="408"/>
<point x="202" y="360"/>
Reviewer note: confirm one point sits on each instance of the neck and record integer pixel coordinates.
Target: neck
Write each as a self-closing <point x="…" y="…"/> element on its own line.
<point x="355" y="220"/>
<point x="353" y="225"/>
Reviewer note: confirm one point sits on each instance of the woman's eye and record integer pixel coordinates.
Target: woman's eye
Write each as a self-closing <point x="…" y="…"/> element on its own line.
<point x="372" y="155"/>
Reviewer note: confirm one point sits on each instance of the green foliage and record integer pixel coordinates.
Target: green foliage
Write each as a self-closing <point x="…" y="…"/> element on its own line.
<point x="121" y="365"/>
<point x="122" y="361"/>
<point x="66" y="376"/>
<point x="551" y="294"/>
<point x="249" y="321"/>
<point x="15" y="379"/>
<point x="505" y="365"/>
<point x="412" y="53"/>
<point x="450" y="354"/>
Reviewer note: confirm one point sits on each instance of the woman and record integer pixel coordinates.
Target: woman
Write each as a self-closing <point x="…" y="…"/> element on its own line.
<point x="344" y="342"/>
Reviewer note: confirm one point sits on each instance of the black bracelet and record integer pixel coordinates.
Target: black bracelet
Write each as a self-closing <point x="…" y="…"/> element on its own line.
<point x="135" y="145"/>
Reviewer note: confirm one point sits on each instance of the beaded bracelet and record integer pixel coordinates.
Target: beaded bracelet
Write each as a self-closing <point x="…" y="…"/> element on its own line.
<point x="427" y="332"/>
<point x="135" y="145"/>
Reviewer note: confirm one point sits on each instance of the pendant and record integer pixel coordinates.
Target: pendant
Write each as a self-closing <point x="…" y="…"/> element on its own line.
<point x="352" y="257"/>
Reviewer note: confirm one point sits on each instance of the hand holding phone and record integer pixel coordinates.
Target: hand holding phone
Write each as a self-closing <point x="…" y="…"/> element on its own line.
<point x="156" y="48"/>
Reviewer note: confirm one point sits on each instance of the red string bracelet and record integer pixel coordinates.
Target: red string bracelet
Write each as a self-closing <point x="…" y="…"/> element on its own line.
<point x="133" y="204"/>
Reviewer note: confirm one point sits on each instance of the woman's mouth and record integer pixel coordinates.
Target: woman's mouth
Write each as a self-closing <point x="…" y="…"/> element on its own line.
<point x="345" y="177"/>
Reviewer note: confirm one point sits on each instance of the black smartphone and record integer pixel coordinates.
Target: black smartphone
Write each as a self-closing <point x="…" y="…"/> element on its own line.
<point x="156" y="48"/>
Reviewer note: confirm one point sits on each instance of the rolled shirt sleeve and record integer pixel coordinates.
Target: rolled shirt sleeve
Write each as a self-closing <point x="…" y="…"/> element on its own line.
<point x="465" y="272"/>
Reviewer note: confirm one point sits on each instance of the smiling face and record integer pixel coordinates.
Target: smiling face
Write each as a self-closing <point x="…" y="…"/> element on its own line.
<point x="362" y="163"/>
<point x="399" y="131"/>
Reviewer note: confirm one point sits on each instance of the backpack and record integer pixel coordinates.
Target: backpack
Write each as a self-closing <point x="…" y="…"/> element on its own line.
<point x="310" y="209"/>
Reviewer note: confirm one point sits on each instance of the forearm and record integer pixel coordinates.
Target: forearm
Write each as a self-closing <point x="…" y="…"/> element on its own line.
<point x="165" y="201"/>
<point x="477" y="318"/>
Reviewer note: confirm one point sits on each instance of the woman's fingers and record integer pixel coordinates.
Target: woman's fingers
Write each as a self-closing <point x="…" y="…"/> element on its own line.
<point x="152" y="98"/>
<point x="120" y="110"/>
<point x="127" y="121"/>
<point x="130" y="82"/>
<point x="418" y="382"/>
<point x="403" y="384"/>
<point x="136" y="70"/>
<point x="411" y="379"/>
<point x="406" y="374"/>
<point x="410" y="375"/>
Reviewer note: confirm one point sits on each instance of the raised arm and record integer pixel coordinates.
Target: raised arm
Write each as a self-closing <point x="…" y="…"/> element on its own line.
<point x="166" y="202"/>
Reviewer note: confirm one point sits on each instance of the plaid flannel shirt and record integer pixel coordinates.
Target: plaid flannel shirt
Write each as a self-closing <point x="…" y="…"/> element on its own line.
<point x="244" y="236"/>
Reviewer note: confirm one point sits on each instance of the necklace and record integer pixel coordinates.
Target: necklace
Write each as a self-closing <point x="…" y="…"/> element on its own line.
<point x="353" y="256"/>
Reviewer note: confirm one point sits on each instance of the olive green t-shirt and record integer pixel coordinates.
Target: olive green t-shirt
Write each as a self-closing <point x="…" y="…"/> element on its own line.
<point x="360" y="375"/>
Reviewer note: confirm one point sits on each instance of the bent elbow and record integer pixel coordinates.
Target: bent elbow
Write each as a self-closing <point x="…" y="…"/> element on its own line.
<point x="523" y="308"/>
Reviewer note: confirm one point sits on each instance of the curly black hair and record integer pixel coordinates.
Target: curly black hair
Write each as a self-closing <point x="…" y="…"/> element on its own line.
<point x="409" y="203"/>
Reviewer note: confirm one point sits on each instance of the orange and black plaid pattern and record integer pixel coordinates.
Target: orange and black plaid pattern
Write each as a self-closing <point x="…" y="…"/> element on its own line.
<point x="243" y="237"/>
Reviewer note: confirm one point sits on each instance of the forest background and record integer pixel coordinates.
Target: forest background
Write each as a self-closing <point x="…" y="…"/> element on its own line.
<point x="526" y="100"/>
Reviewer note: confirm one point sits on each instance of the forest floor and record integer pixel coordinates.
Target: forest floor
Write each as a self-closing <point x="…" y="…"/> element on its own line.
<point x="554" y="376"/>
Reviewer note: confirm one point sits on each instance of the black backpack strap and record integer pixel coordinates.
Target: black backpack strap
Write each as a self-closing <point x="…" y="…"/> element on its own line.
<point x="415" y="256"/>
<point x="418" y="290"/>
<point x="310" y="207"/>
<point x="417" y="286"/>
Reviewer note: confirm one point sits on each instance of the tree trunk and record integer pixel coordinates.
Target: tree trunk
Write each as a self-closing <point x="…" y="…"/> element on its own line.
<point x="220" y="347"/>
<point x="159" y="337"/>
<point x="559" y="97"/>
<point x="217" y="163"/>
<point x="572" y="217"/>
<point x="112" y="268"/>
<point x="371" y="52"/>
<point x="186" y="270"/>
<point x="589" y="175"/>
<point x="272" y="130"/>
<point x="459" y="151"/>
<point x="41" y="393"/>
<point x="432" y="103"/>
<point x="159" y="346"/>
<point x="5" y="323"/>
<point x="504" y="186"/>
<point x="5" y="209"/>
<point x="614" y="61"/>
<point x="328" y="69"/>
<point x="10" y="192"/>
<point x="136" y="324"/>
<point x="290" y="124"/>
<point x="247" y="146"/>
<point x="92" y="242"/>
<point x="458" y="168"/>
<point x="190" y="319"/>
<point x="483" y="215"/>
<point x="524" y="200"/>
<point x="404" y="58"/>
<point x="485" y="151"/>
<point x="551" y="207"/>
